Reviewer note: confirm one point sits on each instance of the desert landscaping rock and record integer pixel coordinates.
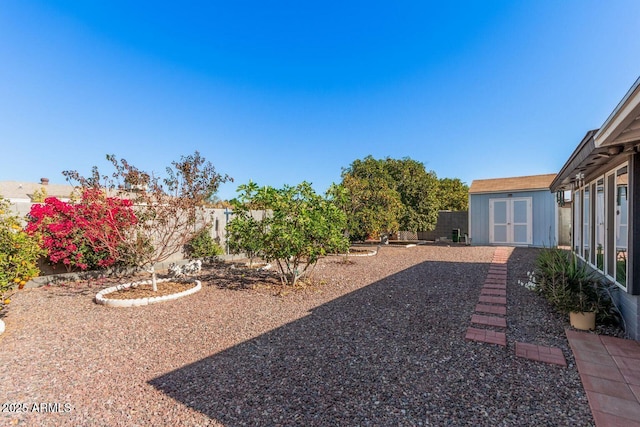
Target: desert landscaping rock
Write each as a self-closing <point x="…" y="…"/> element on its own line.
<point x="379" y="341"/>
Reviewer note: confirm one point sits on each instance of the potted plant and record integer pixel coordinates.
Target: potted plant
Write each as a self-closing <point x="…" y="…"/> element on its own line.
<point x="583" y="306"/>
<point x="568" y="285"/>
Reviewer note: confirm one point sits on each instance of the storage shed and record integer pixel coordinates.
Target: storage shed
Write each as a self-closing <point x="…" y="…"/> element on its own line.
<point x="518" y="211"/>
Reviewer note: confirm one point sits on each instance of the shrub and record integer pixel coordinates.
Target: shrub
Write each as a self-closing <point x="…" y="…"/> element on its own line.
<point x="107" y="222"/>
<point x="84" y="235"/>
<point x="39" y="195"/>
<point x="297" y="227"/>
<point x="564" y="281"/>
<point x="245" y="234"/>
<point x="19" y="252"/>
<point x="570" y="285"/>
<point x="202" y="245"/>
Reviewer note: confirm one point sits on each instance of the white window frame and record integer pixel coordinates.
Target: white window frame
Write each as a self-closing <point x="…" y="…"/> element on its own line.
<point x="610" y="204"/>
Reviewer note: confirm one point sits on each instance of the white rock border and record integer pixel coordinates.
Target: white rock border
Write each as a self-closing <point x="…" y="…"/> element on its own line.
<point x="369" y="252"/>
<point x="137" y="302"/>
<point x="264" y="266"/>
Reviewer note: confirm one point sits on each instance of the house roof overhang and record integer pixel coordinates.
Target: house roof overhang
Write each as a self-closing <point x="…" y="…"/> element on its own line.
<point x="583" y="157"/>
<point x="618" y="136"/>
<point x="623" y="124"/>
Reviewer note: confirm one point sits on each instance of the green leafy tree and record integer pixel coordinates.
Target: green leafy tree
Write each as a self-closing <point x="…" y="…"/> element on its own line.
<point x="246" y="231"/>
<point x="296" y="228"/>
<point x="453" y="194"/>
<point x="386" y="195"/>
<point x="418" y="189"/>
<point x="371" y="207"/>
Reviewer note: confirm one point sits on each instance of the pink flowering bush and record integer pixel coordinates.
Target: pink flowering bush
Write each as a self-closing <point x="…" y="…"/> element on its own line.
<point x="85" y="235"/>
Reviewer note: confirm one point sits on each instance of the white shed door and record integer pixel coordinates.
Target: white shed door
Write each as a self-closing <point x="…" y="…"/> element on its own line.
<point x="510" y="221"/>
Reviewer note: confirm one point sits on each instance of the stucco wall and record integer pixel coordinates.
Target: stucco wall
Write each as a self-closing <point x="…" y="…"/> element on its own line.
<point x="217" y="218"/>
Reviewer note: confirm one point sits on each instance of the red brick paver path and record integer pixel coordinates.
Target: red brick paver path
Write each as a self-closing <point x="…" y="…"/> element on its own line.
<point x="486" y="335"/>
<point x="481" y="319"/>
<point x="609" y="367"/>
<point x="493" y="309"/>
<point x="489" y="321"/>
<point x="493" y="299"/>
<point x="540" y="353"/>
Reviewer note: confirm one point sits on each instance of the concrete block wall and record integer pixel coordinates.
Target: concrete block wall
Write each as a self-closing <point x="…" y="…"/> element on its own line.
<point x="447" y="221"/>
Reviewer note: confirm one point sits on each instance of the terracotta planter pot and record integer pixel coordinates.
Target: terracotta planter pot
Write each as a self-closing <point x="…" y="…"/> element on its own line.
<point x="585" y="321"/>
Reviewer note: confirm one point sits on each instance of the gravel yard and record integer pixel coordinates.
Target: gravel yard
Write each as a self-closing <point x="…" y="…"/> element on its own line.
<point x="376" y="342"/>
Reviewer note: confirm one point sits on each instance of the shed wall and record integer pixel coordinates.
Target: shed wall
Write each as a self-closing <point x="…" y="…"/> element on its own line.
<point x="543" y="216"/>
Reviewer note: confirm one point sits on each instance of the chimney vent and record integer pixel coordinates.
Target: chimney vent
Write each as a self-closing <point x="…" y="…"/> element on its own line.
<point x="44" y="181"/>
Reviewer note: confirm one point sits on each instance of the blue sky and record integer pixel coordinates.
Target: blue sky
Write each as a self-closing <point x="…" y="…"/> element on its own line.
<point x="285" y="91"/>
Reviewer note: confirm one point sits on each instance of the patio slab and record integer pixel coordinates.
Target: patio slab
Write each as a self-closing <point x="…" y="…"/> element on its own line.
<point x="493" y="291"/>
<point x="610" y="372"/>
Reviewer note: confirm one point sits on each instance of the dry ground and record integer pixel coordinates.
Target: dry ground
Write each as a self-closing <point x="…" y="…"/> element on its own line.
<point x="378" y="341"/>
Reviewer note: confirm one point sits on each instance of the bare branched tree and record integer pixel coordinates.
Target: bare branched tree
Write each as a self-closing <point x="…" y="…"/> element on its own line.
<point x="169" y="211"/>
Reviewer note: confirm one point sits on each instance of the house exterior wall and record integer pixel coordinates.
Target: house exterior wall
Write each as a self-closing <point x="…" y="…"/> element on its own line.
<point x="543" y="216"/>
<point x="629" y="309"/>
<point x="603" y="174"/>
<point x="607" y="237"/>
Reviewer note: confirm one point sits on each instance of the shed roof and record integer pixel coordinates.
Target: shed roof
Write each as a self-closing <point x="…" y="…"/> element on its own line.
<point x="519" y="183"/>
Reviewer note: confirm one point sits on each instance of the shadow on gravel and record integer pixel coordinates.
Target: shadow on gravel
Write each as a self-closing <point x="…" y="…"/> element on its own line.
<point x="392" y="353"/>
<point x="224" y="276"/>
<point x="371" y="356"/>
